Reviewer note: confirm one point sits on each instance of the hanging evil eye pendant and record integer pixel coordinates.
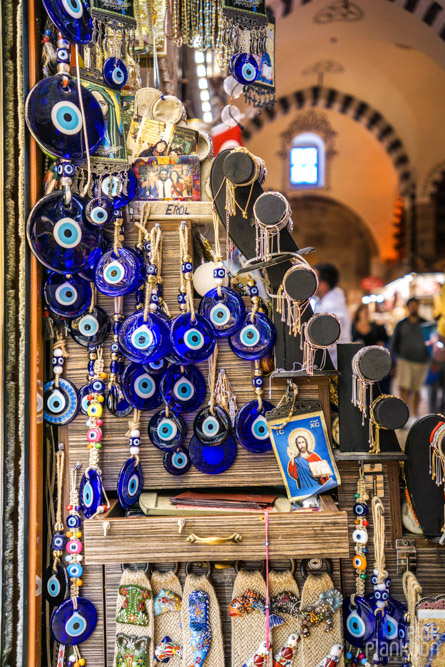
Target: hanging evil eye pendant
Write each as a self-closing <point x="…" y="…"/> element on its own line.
<point x="244" y="68"/>
<point x="72" y="18"/>
<point x="141" y="389"/>
<point x="177" y="461"/>
<point x="212" y="459"/>
<point x="71" y="626"/>
<point x="251" y="427"/>
<point x="91" y="328"/>
<point x="225" y="313"/>
<point x="67" y="296"/>
<point x="115" y="73"/>
<point x="118" y="275"/>
<point x="59" y="237"/>
<point x="90" y="493"/>
<point x="60" y="404"/>
<point x="193" y="341"/>
<point x="255" y="339"/>
<point x="359" y="621"/>
<point x="183" y="389"/>
<point x="166" y="430"/>
<point x="212" y="425"/>
<point x="55" y="584"/>
<point x="99" y="211"/>
<point x="84" y="391"/>
<point x="143" y="340"/>
<point x="130" y="483"/>
<point x="121" y="188"/>
<point x="54" y="118"/>
<point x="154" y="367"/>
<point x="117" y="404"/>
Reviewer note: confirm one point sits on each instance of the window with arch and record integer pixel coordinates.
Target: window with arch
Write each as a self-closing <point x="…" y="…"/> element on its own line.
<point x="307" y="161"/>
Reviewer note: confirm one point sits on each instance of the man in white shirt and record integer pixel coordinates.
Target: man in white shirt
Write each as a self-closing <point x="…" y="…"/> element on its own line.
<point x="164" y="184"/>
<point x="332" y="299"/>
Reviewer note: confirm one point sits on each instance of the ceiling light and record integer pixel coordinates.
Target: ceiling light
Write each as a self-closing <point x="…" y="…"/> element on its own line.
<point x="199" y="57"/>
<point x="202" y="84"/>
<point x="201" y="70"/>
<point x="206" y="106"/>
<point x="204" y="95"/>
<point x="207" y="117"/>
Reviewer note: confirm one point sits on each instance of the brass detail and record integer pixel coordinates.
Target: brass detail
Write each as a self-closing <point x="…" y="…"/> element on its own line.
<point x="375" y="481"/>
<point x="214" y="541"/>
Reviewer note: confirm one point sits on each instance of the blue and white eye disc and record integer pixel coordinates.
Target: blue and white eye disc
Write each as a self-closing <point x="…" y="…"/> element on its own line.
<point x="66" y="117"/>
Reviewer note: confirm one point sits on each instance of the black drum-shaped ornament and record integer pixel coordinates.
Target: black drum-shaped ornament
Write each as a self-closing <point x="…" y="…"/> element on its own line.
<point x="374" y="363"/>
<point x="390" y="412"/>
<point x="323" y="330"/>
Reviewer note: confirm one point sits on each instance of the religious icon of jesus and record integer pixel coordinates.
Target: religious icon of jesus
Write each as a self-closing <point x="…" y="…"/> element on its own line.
<point x="299" y="451"/>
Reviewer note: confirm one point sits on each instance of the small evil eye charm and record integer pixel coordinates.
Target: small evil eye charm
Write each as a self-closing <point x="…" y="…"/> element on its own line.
<point x="74" y="547"/>
<point x="167" y="430"/>
<point x="130" y="483"/>
<point x="84" y="392"/>
<point x="360" y="536"/>
<point x="99" y="211"/>
<point x="94" y="434"/>
<point x="58" y="542"/>
<point x="66" y="169"/>
<point x="118" y="274"/>
<point x="91" y="328"/>
<point x="60" y="404"/>
<point x="158" y="366"/>
<point x="120" y="187"/>
<point x="177" y="461"/>
<point x="117" y="404"/>
<point x="67" y="297"/>
<point x="360" y="509"/>
<point x="225" y="313"/>
<point x="244" y="68"/>
<point x="95" y="409"/>
<point x="63" y="55"/>
<point x="183" y="388"/>
<point x="90" y="493"/>
<point x="72" y="626"/>
<point x="72" y="521"/>
<point x="255" y="338"/>
<point x="251" y="428"/>
<point x="55" y="584"/>
<point x="359" y="562"/>
<point x="74" y="570"/>
<point x="141" y="389"/>
<point x="212" y="425"/>
<point x="194" y="340"/>
<point x="115" y="73"/>
<point x="97" y="386"/>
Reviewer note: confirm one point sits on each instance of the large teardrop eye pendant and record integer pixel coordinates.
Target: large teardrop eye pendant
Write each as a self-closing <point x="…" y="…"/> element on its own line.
<point x="90" y="493"/>
<point x="144" y="340"/>
<point x="212" y="425"/>
<point x="73" y="625"/>
<point x="255" y="338"/>
<point x="183" y="388"/>
<point x="192" y="340"/>
<point x="225" y="313"/>
<point x="130" y="483"/>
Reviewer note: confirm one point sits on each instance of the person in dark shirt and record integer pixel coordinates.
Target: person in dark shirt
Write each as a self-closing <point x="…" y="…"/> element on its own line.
<point x="365" y="331"/>
<point x="411" y="354"/>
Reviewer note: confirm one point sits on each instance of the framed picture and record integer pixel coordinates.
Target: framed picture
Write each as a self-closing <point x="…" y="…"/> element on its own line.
<point x="266" y="61"/>
<point x="153" y="138"/>
<point x="304" y="455"/>
<point x="168" y="177"/>
<point x="113" y="147"/>
<point x="256" y="9"/>
<point x="429" y="648"/>
<point x="122" y="10"/>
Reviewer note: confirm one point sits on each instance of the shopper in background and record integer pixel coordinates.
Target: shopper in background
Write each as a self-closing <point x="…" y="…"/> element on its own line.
<point x="410" y="353"/>
<point x="331" y="299"/>
<point x="365" y="331"/>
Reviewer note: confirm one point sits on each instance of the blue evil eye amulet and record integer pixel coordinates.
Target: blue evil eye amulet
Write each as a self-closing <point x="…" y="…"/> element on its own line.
<point x="70" y="626"/>
<point x="118" y="274"/>
<point x="141" y="389"/>
<point x="60" y="404"/>
<point x="225" y="313"/>
<point x="115" y="73"/>
<point x="255" y="338"/>
<point x="67" y="296"/>
<point x="212" y="425"/>
<point x="251" y="428"/>
<point x="192" y="340"/>
<point x="183" y="388"/>
<point x="145" y="340"/>
<point x="130" y="483"/>
<point x="212" y="459"/>
<point x="167" y="430"/>
<point x="72" y="18"/>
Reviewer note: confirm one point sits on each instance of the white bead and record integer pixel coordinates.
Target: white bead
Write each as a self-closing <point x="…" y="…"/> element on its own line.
<point x="220" y="265"/>
<point x="134" y="451"/>
<point x="153" y="307"/>
<point x="58" y="352"/>
<point x="88" y="423"/>
<point x="219" y="281"/>
<point x="135" y="433"/>
<point x="380" y="587"/>
<point x="57" y="370"/>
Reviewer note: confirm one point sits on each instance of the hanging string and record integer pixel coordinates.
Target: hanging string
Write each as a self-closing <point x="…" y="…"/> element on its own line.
<point x="84" y="123"/>
<point x="117" y="236"/>
<point x="294" y="388"/>
<point x="213" y="361"/>
<point x="93" y="297"/>
<point x="266" y="543"/>
<point x="60" y="344"/>
<point x="187" y="278"/>
<point x="378" y="517"/>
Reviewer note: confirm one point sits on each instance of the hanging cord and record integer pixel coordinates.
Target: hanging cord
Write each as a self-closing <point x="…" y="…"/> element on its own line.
<point x="290" y="388"/>
<point x="84" y="123"/>
<point x="187" y="277"/>
<point x="266" y="543"/>
<point x="117" y="242"/>
<point x="58" y="524"/>
<point x="155" y="253"/>
<point x="134" y="424"/>
<point x="213" y="362"/>
<point x="224" y="395"/>
<point x="378" y="517"/>
<point x="93" y="297"/>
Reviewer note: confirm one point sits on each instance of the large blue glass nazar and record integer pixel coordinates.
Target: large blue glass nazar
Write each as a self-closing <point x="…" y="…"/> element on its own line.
<point x="251" y="428"/>
<point x="59" y="237"/>
<point x="119" y="274"/>
<point x="67" y="296"/>
<point x="212" y="425"/>
<point x="141" y="389"/>
<point x="244" y="69"/>
<point x="359" y="621"/>
<point x="70" y="626"/>
<point x="144" y="340"/>
<point x="183" y="389"/>
<point x="55" y="120"/>
<point x="91" y="328"/>
<point x="72" y="18"/>
<point x="130" y="483"/>
<point x="192" y="340"/>
<point x="167" y="430"/>
<point x="212" y="459"/>
<point x="255" y="338"/>
<point x="225" y="313"/>
<point x="60" y="404"/>
<point x="90" y="493"/>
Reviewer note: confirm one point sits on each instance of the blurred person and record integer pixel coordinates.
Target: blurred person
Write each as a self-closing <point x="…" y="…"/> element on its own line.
<point x="331" y="299"/>
<point x="411" y="356"/>
<point x="365" y="331"/>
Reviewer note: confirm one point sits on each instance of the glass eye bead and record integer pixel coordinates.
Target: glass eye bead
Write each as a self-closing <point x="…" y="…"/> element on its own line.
<point x="67" y="297"/>
<point x="90" y="493"/>
<point x="177" y="461"/>
<point x="225" y="313"/>
<point x="360" y="536"/>
<point x="141" y="389"/>
<point x="91" y="328"/>
<point x="360" y="509"/>
<point x="359" y="621"/>
<point x="167" y="432"/>
<point x="72" y="18"/>
<point x="118" y="275"/>
<point x="99" y="211"/>
<point x="212" y="427"/>
<point x="59" y="237"/>
<point x="73" y="521"/>
<point x="70" y="626"/>
<point x="130" y="483"/>
<point x="55" y="584"/>
<point x="115" y="73"/>
<point x="212" y="459"/>
<point x="117" y="404"/>
<point x="60" y="404"/>
<point x="359" y="562"/>
<point x="193" y="341"/>
<point x="120" y="187"/>
<point x="66" y="168"/>
<point x="254" y="339"/>
<point x="144" y="341"/>
<point x="58" y="542"/>
<point x="54" y="118"/>
<point x="251" y="428"/>
<point x="183" y="390"/>
<point x="94" y="409"/>
<point x="244" y="69"/>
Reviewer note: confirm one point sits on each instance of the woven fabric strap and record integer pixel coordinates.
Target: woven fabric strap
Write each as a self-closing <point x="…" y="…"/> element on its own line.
<point x="135" y="578"/>
<point x="248" y="631"/>
<point x="318" y="645"/>
<point x="168" y="624"/>
<point x="278" y="583"/>
<point x="215" y="657"/>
